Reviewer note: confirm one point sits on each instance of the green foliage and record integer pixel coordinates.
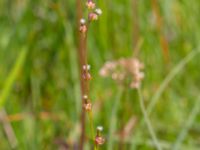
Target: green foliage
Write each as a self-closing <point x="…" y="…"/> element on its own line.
<point x="39" y="77"/>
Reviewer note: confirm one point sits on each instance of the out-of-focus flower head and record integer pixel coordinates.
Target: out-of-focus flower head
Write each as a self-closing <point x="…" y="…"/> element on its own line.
<point x="124" y="68"/>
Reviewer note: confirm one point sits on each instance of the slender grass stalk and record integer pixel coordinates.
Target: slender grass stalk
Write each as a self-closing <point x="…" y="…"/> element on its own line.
<point x="6" y="91"/>
<point x="91" y="124"/>
<point x="113" y="121"/>
<point x="177" y="69"/>
<point x="12" y="77"/>
<point x="148" y="122"/>
<point x="164" y="144"/>
<point x="159" y="24"/>
<point x="188" y="123"/>
<point x="8" y="129"/>
<point x="136" y="27"/>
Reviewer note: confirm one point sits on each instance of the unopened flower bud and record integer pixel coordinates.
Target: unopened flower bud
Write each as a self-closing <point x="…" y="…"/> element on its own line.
<point x="99" y="128"/>
<point x="98" y="11"/>
<point x="86" y="67"/>
<point x="85" y="97"/>
<point x="82" y="21"/>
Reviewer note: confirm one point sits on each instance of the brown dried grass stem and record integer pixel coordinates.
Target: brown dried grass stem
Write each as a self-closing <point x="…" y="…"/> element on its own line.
<point x="159" y="25"/>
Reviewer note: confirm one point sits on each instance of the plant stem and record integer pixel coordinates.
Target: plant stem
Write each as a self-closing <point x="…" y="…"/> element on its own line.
<point x="85" y="90"/>
<point x="5" y="93"/>
<point x="81" y="49"/>
<point x="170" y="77"/>
<point x="12" y="139"/>
<point x="136" y="27"/>
<point x="167" y="80"/>
<point x="113" y="121"/>
<point x="159" y="23"/>
<point x="188" y="124"/>
<point x="91" y="126"/>
<point x="12" y="76"/>
<point x="148" y="122"/>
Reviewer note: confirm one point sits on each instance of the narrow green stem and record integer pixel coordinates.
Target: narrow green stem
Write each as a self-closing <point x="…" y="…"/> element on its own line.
<point x="180" y="66"/>
<point x="91" y="124"/>
<point x="90" y="115"/>
<point x="96" y="147"/>
<point x="12" y="76"/>
<point x="176" y="70"/>
<point x="148" y="122"/>
<point x="188" y="123"/>
<point x="113" y="120"/>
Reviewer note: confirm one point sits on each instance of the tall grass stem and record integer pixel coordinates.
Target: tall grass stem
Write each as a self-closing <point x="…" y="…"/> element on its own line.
<point x="148" y="122"/>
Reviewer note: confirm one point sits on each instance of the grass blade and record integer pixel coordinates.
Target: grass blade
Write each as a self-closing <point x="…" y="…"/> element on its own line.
<point x="12" y="77"/>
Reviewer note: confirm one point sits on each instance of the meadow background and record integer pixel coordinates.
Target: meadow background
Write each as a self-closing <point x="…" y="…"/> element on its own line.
<point x="39" y="75"/>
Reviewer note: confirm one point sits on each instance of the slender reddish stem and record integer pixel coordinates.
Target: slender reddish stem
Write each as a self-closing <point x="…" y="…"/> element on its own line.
<point x="159" y="23"/>
<point x="81" y="55"/>
<point x="82" y="51"/>
<point x="135" y="23"/>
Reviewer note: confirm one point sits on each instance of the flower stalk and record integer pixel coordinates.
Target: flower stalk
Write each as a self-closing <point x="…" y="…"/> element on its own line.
<point x="93" y="15"/>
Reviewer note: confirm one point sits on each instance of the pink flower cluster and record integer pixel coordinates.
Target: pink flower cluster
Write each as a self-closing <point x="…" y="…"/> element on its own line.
<point x="124" y="68"/>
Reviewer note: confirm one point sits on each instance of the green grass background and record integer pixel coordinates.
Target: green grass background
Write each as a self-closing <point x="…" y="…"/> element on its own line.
<point x="39" y="73"/>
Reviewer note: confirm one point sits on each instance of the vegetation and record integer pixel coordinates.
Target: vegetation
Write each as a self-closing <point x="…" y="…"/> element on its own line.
<point x="40" y="94"/>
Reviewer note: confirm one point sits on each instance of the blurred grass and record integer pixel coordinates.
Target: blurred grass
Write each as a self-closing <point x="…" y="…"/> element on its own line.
<point x="12" y="76"/>
<point x="49" y="81"/>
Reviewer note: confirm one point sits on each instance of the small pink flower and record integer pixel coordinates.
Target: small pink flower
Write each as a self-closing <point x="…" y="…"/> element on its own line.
<point x="99" y="140"/>
<point x="93" y="16"/>
<point x="90" y="5"/>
